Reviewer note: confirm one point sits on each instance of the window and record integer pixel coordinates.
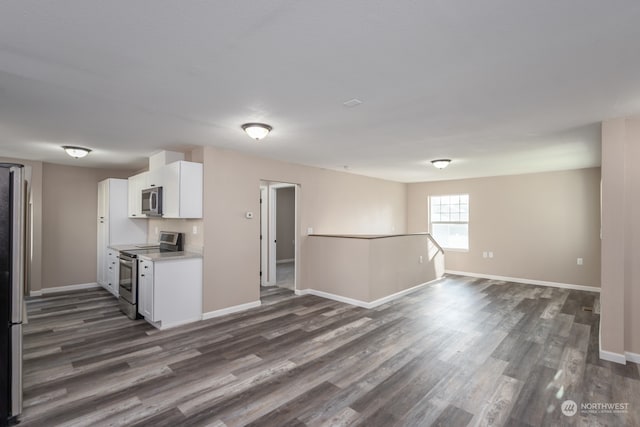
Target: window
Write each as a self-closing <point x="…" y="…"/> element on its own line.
<point x="449" y="220"/>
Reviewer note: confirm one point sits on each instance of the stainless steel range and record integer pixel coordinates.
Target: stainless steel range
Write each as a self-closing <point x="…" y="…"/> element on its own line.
<point x="170" y="241"/>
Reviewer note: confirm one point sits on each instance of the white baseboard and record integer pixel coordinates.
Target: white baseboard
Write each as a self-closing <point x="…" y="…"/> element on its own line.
<point x="632" y="357"/>
<point x="230" y="310"/>
<point x="67" y="288"/>
<point x="282" y="261"/>
<point x="360" y="303"/>
<point x="613" y="357"/>
<point x="526" y="281"/>
<point x="168" y="325"/>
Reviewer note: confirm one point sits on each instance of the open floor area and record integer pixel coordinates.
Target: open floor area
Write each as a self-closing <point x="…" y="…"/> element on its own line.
<point x="458" y="352"/>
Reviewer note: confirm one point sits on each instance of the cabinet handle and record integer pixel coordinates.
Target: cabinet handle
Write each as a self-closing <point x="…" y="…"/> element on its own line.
<point x="142" y="275"/>
<point x="133" y="214"/>
<point x="146" y="266"/>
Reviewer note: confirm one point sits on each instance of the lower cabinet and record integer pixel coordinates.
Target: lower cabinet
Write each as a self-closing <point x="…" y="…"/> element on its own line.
<point x="170" y="291"/>
<point x="145" y="289"/>
<point x="113" y="272"/>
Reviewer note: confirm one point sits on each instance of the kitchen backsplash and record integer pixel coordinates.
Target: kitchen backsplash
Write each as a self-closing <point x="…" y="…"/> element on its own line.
<point x="193" y="242"/>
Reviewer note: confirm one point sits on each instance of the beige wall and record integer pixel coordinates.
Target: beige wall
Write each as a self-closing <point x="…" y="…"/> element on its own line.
<point x="285" y="223"/>
<point x="537" y="225"/>
<point x="34" y="276"/>
<point x="329" y="202"/>
<point x="69" y="229"/>
<point x="370" y="269"/>
<point x="620" y="295"/>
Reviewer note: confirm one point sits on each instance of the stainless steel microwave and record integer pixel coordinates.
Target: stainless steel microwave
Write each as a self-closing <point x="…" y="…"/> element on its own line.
<point x="152" y="201"/>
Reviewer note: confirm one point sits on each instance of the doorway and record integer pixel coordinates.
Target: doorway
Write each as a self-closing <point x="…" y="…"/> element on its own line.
<point x="278" y="234"/>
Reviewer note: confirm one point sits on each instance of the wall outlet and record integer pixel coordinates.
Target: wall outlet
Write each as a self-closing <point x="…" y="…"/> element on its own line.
<point x="484" y="254"/>
<point x="195" y="229"/>
<point x="490" y="254"/>
<point x="421" y="259"/>
<point x="579" y="261"/>
<point x="309" y="230"/>
<point x="155" y="230"/>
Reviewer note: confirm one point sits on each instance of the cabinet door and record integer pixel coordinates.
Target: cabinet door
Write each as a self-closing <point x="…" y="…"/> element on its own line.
<point x="145" y="289"/>
<point x="136" y="184"/>
<point x="103" y="198"/>
<point x="103" y="233"/>
<point x="171" y="190"/>
<point x="182" y="191"/>
<point x="113" y="271"/>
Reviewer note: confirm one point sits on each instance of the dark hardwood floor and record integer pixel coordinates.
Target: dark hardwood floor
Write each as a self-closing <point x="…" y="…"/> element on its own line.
<point x="459" y="352"/>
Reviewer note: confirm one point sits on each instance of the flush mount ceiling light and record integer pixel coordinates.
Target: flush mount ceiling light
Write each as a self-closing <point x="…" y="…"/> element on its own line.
<point x="441" y="163"/>
<point x="76" y="152"/>
<point x="256" y="131"/>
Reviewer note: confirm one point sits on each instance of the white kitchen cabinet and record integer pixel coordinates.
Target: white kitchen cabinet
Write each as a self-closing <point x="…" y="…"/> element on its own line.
<point x="114" y="226"/>
<point x="145" y="289"/>
<point x="113" y="272"/>
<point x="136" y="184"/>
<point x="170" y="291"/>
<point x="182" y="190"/>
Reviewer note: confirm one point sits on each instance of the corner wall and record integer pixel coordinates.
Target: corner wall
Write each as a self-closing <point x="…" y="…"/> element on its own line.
<point x="620" y="296"/>
<point x="69" y="226"/>
<point x="330" y="202"/>
<point x="537" y="225"/>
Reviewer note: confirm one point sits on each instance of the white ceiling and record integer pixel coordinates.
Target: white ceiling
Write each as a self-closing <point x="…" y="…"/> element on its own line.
<point x="500" y="87"/>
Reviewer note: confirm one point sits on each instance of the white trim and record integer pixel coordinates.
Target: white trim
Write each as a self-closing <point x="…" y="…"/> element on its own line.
<point x="164" y="326"/>
<point x="230" y="310"/>
<point x="360" y="303"/>
<point x="67" y="288"/>
<point x="282" y="261"/>
<point x="272" y="247"/>
<point x="526" y="281"/>
<point x="632" y="357"/>
<point x="613" y="357"/>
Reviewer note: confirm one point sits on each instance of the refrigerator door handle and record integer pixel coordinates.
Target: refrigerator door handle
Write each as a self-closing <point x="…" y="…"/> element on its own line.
<point x="17" y="249"/>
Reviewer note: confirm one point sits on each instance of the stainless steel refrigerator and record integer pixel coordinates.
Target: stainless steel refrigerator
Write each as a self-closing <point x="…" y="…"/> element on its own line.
<point x="12" y="272"/>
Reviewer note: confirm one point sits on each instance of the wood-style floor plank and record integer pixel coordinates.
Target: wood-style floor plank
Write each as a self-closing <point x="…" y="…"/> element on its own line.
<point x="462" y="351"/>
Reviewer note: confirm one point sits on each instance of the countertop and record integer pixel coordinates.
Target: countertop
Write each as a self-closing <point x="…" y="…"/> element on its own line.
<point x="133" y="246"/>
<point x="170" y="256"/>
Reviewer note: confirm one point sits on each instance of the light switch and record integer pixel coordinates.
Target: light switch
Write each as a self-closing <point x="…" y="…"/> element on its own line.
<point x="195" y="229"/>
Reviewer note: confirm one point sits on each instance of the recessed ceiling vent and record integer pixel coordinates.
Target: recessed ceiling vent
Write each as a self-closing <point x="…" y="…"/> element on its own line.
<point x="352" y="103"/>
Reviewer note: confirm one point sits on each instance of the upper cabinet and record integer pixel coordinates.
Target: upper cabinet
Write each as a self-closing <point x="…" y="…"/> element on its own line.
<point x="182" y="190"/>
<point x="181" y="184"/>
<point x="137" y="183"/>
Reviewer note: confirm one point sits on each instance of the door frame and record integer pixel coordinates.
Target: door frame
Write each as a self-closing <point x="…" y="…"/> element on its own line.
<point x="264" y="235"/>
<point x="268" y="217"/>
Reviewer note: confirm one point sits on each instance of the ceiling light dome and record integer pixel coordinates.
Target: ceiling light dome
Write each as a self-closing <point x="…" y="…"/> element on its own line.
<point x="441" y="163"/>
<point x="76" y="152"/>
<point x="256" y="131"/>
